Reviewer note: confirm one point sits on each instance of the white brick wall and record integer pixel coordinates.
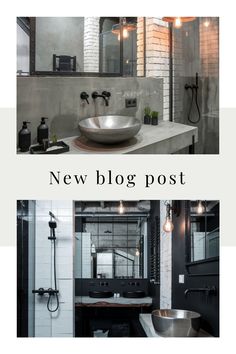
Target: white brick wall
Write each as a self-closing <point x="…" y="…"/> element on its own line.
<point x="166" y="262"/>
<point x="140" y="47"/>
<point x="91" y="44"/>
<point x="178" y="72"/>
<point x="60" y="323"/>
<point x="157" y="54"/>
<point x="83" y="265"/>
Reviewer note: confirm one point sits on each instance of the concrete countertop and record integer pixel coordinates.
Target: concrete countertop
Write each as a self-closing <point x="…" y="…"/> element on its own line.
<point x="164" y="138"/>
<point x="113" y="300"/>
<point x="146" y="322"/>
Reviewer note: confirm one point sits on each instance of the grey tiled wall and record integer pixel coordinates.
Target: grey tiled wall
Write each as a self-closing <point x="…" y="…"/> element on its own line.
<point x="58" y="98"/>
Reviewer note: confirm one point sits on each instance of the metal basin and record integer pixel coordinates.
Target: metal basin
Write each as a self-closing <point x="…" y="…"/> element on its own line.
<point x="176" y="323"/>
<point x="109" y="129"/>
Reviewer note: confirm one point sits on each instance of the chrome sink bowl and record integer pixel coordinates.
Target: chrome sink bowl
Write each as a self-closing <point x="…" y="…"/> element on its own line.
<point x="176" y="323"/>
<point x="109" y="129"/>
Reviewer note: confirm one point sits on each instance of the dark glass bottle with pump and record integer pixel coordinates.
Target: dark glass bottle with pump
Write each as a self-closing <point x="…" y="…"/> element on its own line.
<point x="42" y="132"/>
<point x="24" y="137"/>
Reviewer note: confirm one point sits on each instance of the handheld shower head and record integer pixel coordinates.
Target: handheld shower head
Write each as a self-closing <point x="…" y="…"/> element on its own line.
<point x="52" y="225"/>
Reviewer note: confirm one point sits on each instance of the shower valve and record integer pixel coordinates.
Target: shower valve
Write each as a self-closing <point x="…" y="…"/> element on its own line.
<point x="42" y="291"/>
<point x="187" y="86"/>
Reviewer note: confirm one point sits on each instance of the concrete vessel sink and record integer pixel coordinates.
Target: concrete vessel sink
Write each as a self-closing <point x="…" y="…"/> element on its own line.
<point x="176" y="323"/>
<point x="109" y="129"/>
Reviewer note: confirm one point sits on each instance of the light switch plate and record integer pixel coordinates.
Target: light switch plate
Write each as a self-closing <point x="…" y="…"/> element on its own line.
<point x="131" y="102"/>
<point x="181" y="278"/>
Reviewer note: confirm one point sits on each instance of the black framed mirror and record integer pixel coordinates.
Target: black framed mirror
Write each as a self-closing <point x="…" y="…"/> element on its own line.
<point x="202" y="233"/>
<point x="87" y="46"/>
<point x="111" y="247"/>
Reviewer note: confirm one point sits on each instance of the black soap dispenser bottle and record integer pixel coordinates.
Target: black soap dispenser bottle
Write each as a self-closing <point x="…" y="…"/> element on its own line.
<point x="24" y="137"/>
<point x="42" y="132"/>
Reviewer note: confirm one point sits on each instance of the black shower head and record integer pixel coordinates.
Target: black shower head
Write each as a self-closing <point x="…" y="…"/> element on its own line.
<point x="52" y="224"/>
<point x="52" y="215"/>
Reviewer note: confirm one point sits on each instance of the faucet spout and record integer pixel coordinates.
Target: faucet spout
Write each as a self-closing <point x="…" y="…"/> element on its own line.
<point x="105" y="95"/>
<point x="208" y="290"/>
<point x="106" y="100"/>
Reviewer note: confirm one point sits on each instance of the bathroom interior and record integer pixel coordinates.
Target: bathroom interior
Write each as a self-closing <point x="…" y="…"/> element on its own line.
<point x="140" y="268"/>
<point x="118" y="85"/>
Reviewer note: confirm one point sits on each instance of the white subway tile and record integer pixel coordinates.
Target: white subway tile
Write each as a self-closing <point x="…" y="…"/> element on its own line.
<point x="43" y="331"/>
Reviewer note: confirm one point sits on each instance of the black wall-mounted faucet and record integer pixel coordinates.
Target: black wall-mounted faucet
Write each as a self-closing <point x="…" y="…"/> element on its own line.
<point x="84" y="96"/>
<point x="105" y="95"/>
<point x="207" y="290"/>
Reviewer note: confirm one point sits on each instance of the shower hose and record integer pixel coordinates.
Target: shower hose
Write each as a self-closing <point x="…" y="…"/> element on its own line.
<point x="194" y="89"/>
<point x="55" y="283"/>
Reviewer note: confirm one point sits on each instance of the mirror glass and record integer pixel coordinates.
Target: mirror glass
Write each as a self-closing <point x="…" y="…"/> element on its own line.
<point x="204" y="229"/>
<point x="89" y="45"/>
<point x="111" y="247"/>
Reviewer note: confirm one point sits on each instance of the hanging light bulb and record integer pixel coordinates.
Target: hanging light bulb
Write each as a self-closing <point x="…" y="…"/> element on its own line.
<point x="137" y="253"/>
<point x="177" y="22"/>
<point x="206" y="23"/>
<point x="168" y="225"/>
<point x="121" y="208"/>
<point x="200" y="208"/>
<point x="125" y="33"/>
<point x="127" y="27"/>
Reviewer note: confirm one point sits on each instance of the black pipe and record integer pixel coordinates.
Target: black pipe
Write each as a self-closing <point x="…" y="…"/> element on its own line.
<point x="194" y="90"/>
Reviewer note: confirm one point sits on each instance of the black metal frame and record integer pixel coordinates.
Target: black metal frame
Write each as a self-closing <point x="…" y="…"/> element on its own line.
<point x="22" y="268"/>
<point x="154" y="256"/>
<point x="191" y="148"/>
<point x="114" y="218"/>
<point x="23" y="23"/>
<point x="34" y="72"/>
<point x="188" y="262"/>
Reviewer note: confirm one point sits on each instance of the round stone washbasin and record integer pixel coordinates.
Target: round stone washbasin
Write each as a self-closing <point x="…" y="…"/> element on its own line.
<point x="109" y="129"/>
<point x="176" y="323"/>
